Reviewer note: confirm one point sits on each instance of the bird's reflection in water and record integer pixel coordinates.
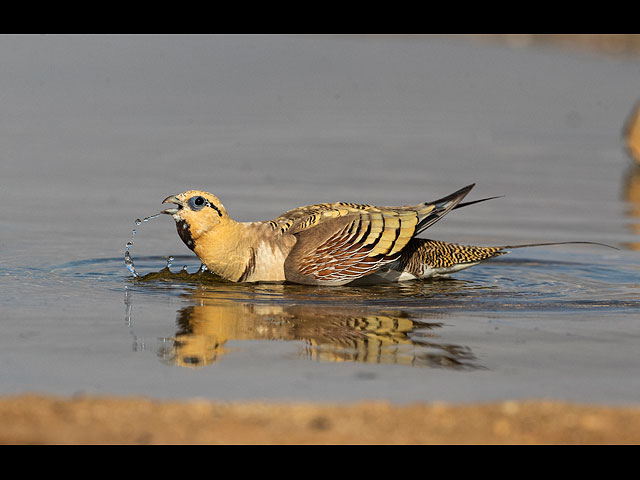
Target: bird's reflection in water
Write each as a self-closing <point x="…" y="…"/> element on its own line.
<point x="632" y="197"/>
<point x="631" y="184"/>
<point x="331" y="333"/>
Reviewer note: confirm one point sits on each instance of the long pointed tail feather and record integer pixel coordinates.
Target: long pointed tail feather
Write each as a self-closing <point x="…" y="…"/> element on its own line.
<point x="422" y="255"/>
<point x="466" y="204"/>
<point x="506" y="247"/>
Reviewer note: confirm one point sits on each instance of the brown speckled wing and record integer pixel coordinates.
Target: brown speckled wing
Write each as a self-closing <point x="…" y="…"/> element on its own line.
<point x="341" y="249"/>
<point x="341" y="242"/>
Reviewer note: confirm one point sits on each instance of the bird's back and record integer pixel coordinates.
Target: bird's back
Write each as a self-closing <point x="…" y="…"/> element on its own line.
<point x="337" y="243"/>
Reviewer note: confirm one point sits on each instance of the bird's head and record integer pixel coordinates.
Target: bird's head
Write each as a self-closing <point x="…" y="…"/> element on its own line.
<point x="196" y="213"/>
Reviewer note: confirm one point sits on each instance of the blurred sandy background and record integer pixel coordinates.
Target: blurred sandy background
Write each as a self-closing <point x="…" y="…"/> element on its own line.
<point x="609" y="44"/>
<point x="91" y="420"/>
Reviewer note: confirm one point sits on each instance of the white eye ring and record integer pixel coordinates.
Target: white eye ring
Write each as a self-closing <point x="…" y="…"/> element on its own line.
<point x="197" y="203"/>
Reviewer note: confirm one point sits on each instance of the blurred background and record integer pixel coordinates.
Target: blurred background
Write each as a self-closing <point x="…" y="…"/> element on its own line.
<point x="97" y="128"/>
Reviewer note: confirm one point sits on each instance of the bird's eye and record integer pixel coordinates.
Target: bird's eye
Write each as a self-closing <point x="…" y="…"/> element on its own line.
<point x="196" y="203"/>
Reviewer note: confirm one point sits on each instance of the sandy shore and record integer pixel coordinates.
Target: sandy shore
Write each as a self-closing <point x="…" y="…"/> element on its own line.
<point x="36" y="419"/>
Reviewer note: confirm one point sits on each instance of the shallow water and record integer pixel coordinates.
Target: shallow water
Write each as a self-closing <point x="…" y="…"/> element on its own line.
<point x="96" y="131"/>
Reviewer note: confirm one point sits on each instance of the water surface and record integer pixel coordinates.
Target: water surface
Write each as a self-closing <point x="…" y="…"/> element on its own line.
<point x="96" y="131"/>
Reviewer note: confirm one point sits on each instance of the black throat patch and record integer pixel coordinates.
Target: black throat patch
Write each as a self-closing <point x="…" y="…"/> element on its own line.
<point x="185" y="233"/>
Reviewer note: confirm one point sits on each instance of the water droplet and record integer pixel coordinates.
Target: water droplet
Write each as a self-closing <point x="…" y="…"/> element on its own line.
<point x="184" y="269"/>
<point x="128" y="261"/>
<point x="170" y="262"/>
<point x="203" y="268"/>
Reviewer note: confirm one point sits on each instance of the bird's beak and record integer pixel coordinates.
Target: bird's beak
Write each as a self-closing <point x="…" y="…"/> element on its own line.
<point x="172" y="199"/>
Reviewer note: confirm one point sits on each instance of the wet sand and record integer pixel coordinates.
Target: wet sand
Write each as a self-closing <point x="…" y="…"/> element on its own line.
<point x="34" y="419"/>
